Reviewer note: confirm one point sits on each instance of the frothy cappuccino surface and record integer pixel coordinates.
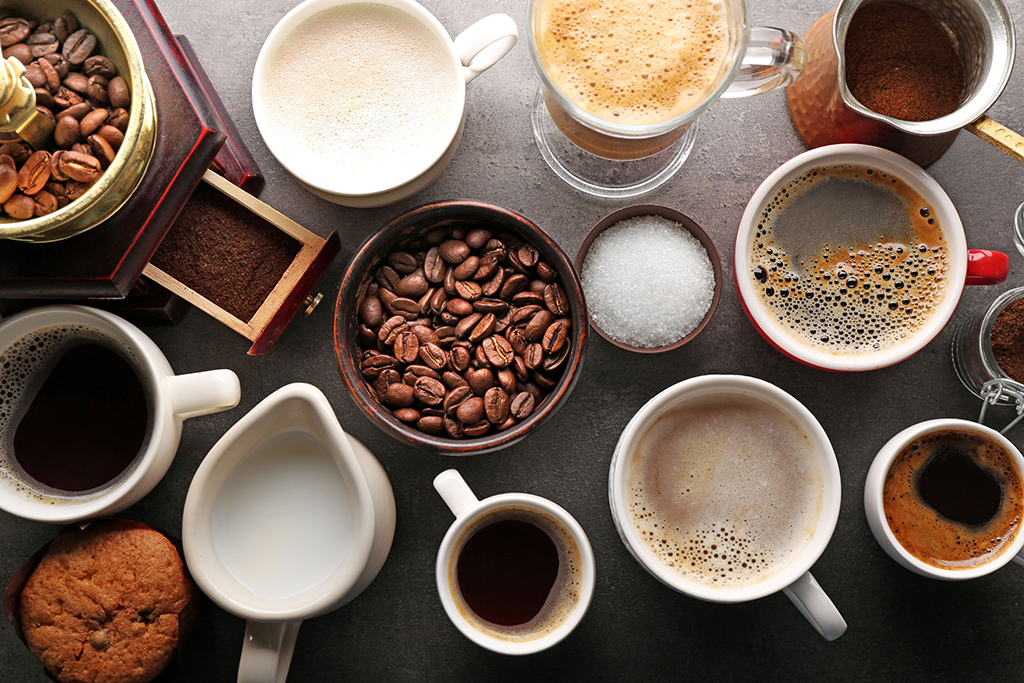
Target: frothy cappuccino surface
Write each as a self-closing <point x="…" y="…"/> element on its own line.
<point x="634" y="62"/>
<point x="364" y="95"/>
<point x="726" y="490"/>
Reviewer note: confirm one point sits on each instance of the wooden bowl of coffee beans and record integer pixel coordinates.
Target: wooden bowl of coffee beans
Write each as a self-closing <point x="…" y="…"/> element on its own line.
<point x="460" y="327"/>
<point x="86" y="71"/>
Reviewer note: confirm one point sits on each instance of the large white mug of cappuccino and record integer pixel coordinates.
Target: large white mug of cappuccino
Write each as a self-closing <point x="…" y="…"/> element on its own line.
<point x="364" y="101"/>
<point x="852" y="257"/>
<point x="90" y="412"/>
<point x="726" y="488"/>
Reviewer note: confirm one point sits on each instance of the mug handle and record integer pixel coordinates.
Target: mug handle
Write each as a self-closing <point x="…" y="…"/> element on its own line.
<point x="775" y="58"/>
<point x="986" y="267"/>
<point x="812" y="602"/>
<point x="267" y="651"/>
<point x="202" y="393"/>
<point x="455" y="491"/>
<point x="481" y="45"/>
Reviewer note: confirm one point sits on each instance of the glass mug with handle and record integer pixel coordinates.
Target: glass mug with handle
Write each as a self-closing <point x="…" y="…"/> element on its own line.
<point x="621" y="89"/>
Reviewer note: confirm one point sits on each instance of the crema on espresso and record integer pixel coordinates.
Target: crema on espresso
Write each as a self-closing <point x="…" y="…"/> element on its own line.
<point x="725" y="490"/>
<point x="849" y="260"/>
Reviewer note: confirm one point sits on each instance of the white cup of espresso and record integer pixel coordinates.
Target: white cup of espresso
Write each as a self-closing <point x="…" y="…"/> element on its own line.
<point x="806" y="278"/>
<point x="749" y="482"/>
<point x="926" y="468"/>
<point x="45" y="343"/>
<point x="390" y="95"/>
<point x="512" y="611"/>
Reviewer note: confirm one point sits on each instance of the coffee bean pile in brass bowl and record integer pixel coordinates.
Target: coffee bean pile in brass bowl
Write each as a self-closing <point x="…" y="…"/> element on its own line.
<point x="123" y="167"/>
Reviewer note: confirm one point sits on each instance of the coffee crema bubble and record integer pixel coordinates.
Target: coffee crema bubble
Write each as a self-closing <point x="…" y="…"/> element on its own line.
<point x="725" y="490"/>
<point x="496" y="581"/>
<point x="25" y="367"/>
<point x="954" y="499"/>
<point x="631" y="63"/>
<point x="849" y="259"/>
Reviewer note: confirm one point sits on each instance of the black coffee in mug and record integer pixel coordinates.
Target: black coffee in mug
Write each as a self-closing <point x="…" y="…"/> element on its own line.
<point x="516" y="573"/>
<point x="74" y="415"/>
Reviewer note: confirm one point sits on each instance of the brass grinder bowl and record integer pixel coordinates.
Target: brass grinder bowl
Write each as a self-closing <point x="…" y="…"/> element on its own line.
<point x="115" y="186"/>
<point x="418" y="221"/>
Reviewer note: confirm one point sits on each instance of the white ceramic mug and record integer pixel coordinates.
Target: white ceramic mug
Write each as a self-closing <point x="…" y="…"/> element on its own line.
<point x="287" y="518"/>
<point x="174" y="398"/>
<point x="570" y="595"/>
<point x="793" y="578"/>
<point x="964" y="266"/>
<point x="874" y="507"/>
<point x="474" y="51"/>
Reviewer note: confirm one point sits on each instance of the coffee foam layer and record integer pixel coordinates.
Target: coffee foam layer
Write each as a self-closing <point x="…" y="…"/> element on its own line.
<point x="564" y="595"/>
<point x="24" y="366"/>
<point x="634" y="62"/>
<point x="361" y="96"/>
<point x="933" y="538"/>
<point x="849" y="260"/>
<point x="726" y="490"/>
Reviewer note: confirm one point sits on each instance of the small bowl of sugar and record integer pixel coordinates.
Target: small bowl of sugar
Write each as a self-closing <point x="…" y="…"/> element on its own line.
<point x="651" y="276"/>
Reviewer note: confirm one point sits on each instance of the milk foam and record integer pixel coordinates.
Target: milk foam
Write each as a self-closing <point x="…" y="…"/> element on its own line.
<point x="363" y="96"/>
<point x="726" y="490"/>
<point x="634" y="62"/>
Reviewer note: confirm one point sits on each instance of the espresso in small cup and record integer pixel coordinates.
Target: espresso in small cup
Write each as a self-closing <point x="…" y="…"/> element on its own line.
<point x="516" y="573"/>
<point x="954" y="498"/>
<point x="849" y="259"/>
<point x="75" y="414"/>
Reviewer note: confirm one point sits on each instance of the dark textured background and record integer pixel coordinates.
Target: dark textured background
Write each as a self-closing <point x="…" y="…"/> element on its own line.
<point x="901" y="627"/>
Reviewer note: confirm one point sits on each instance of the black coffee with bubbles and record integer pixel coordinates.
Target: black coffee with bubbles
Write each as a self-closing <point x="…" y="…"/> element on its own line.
<point x="851" y="260"/>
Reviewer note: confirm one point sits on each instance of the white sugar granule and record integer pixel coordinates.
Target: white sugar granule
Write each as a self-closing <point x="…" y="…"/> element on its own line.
<point x="648" y="281"/>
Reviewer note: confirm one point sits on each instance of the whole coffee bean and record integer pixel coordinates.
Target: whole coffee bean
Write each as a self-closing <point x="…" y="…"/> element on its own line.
<point x="492" y="287"/>
<point x="521" y="406"/>
<point x="415" y="371"/>
<point x="81" y="167"/>
<point x="470" y="411"/>
<point x="459" y="358"/>
<point x="14" y="31"/>
<point x="119" y="119"/>
<point x="35" y="76"/>
<point x="400" y="394"/>
<point x="434" y="267"/>
<point x="555" y="300"/>
<point x="452" y="427"/>
<point x="483" y="328"/>
<point x="533" y="356"/>
<point x="98" y="65"/>
<point x="76" y="81"/>
<point x="8" y="181"/>
<point x="467" y="268"/>
<point x="459" y="307"/>
<point x="429" y="391"/>
<point x="391" y="328"/>
<point x="51" y="79"/>
<point x="102" y="150"/>
<point x="498" y="351"/>
<point x="35" y="173"/>
<point x="76" y="188"/>
<point x="60" y="65"/>
<point x="425" y="334"/>
<point x="371" y="312"/>
<point x="20" y="51"/>
<point x="468" y="290"/>
<point x="412" y="286"/>
<point x="513" y="284"/>
<point x="374" y="365"/>
<point x="453" y="251"/>
<point x="92" y="121"/>
<point x="496" y="405"/>
<point x="467" y="324"/>
<point x="406" y="347"/>
<point x="433" y="356"/>
<point x="475" y="431"/>
<point x="406" y="308"/>
<point x="66" y="132"/>
<point x="117" y="91"/>
<point x="64" y="26"/>
<point x="113" y="136"/>
<point x="488" y="265"/>
<point x="42" y="44"/>
<point x="408" y="415"/>
<point x="555" y="336"/>
<point x="480" y="380"/>
<point x="386" y="378"/>
<point x="78" y="111"/>
<point x="431" y="424"/>
<point x="545" y="272"/>
<point x="453" y="380"/>
<point x="79" y="46"/>
<point x="20" y="207"/>
<point x="538" y="325"/>
<point x="507" y="381"/>
<point x="388" y="278"/>
<point x="456" y="396"/>
<point x="478" y="237"/>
